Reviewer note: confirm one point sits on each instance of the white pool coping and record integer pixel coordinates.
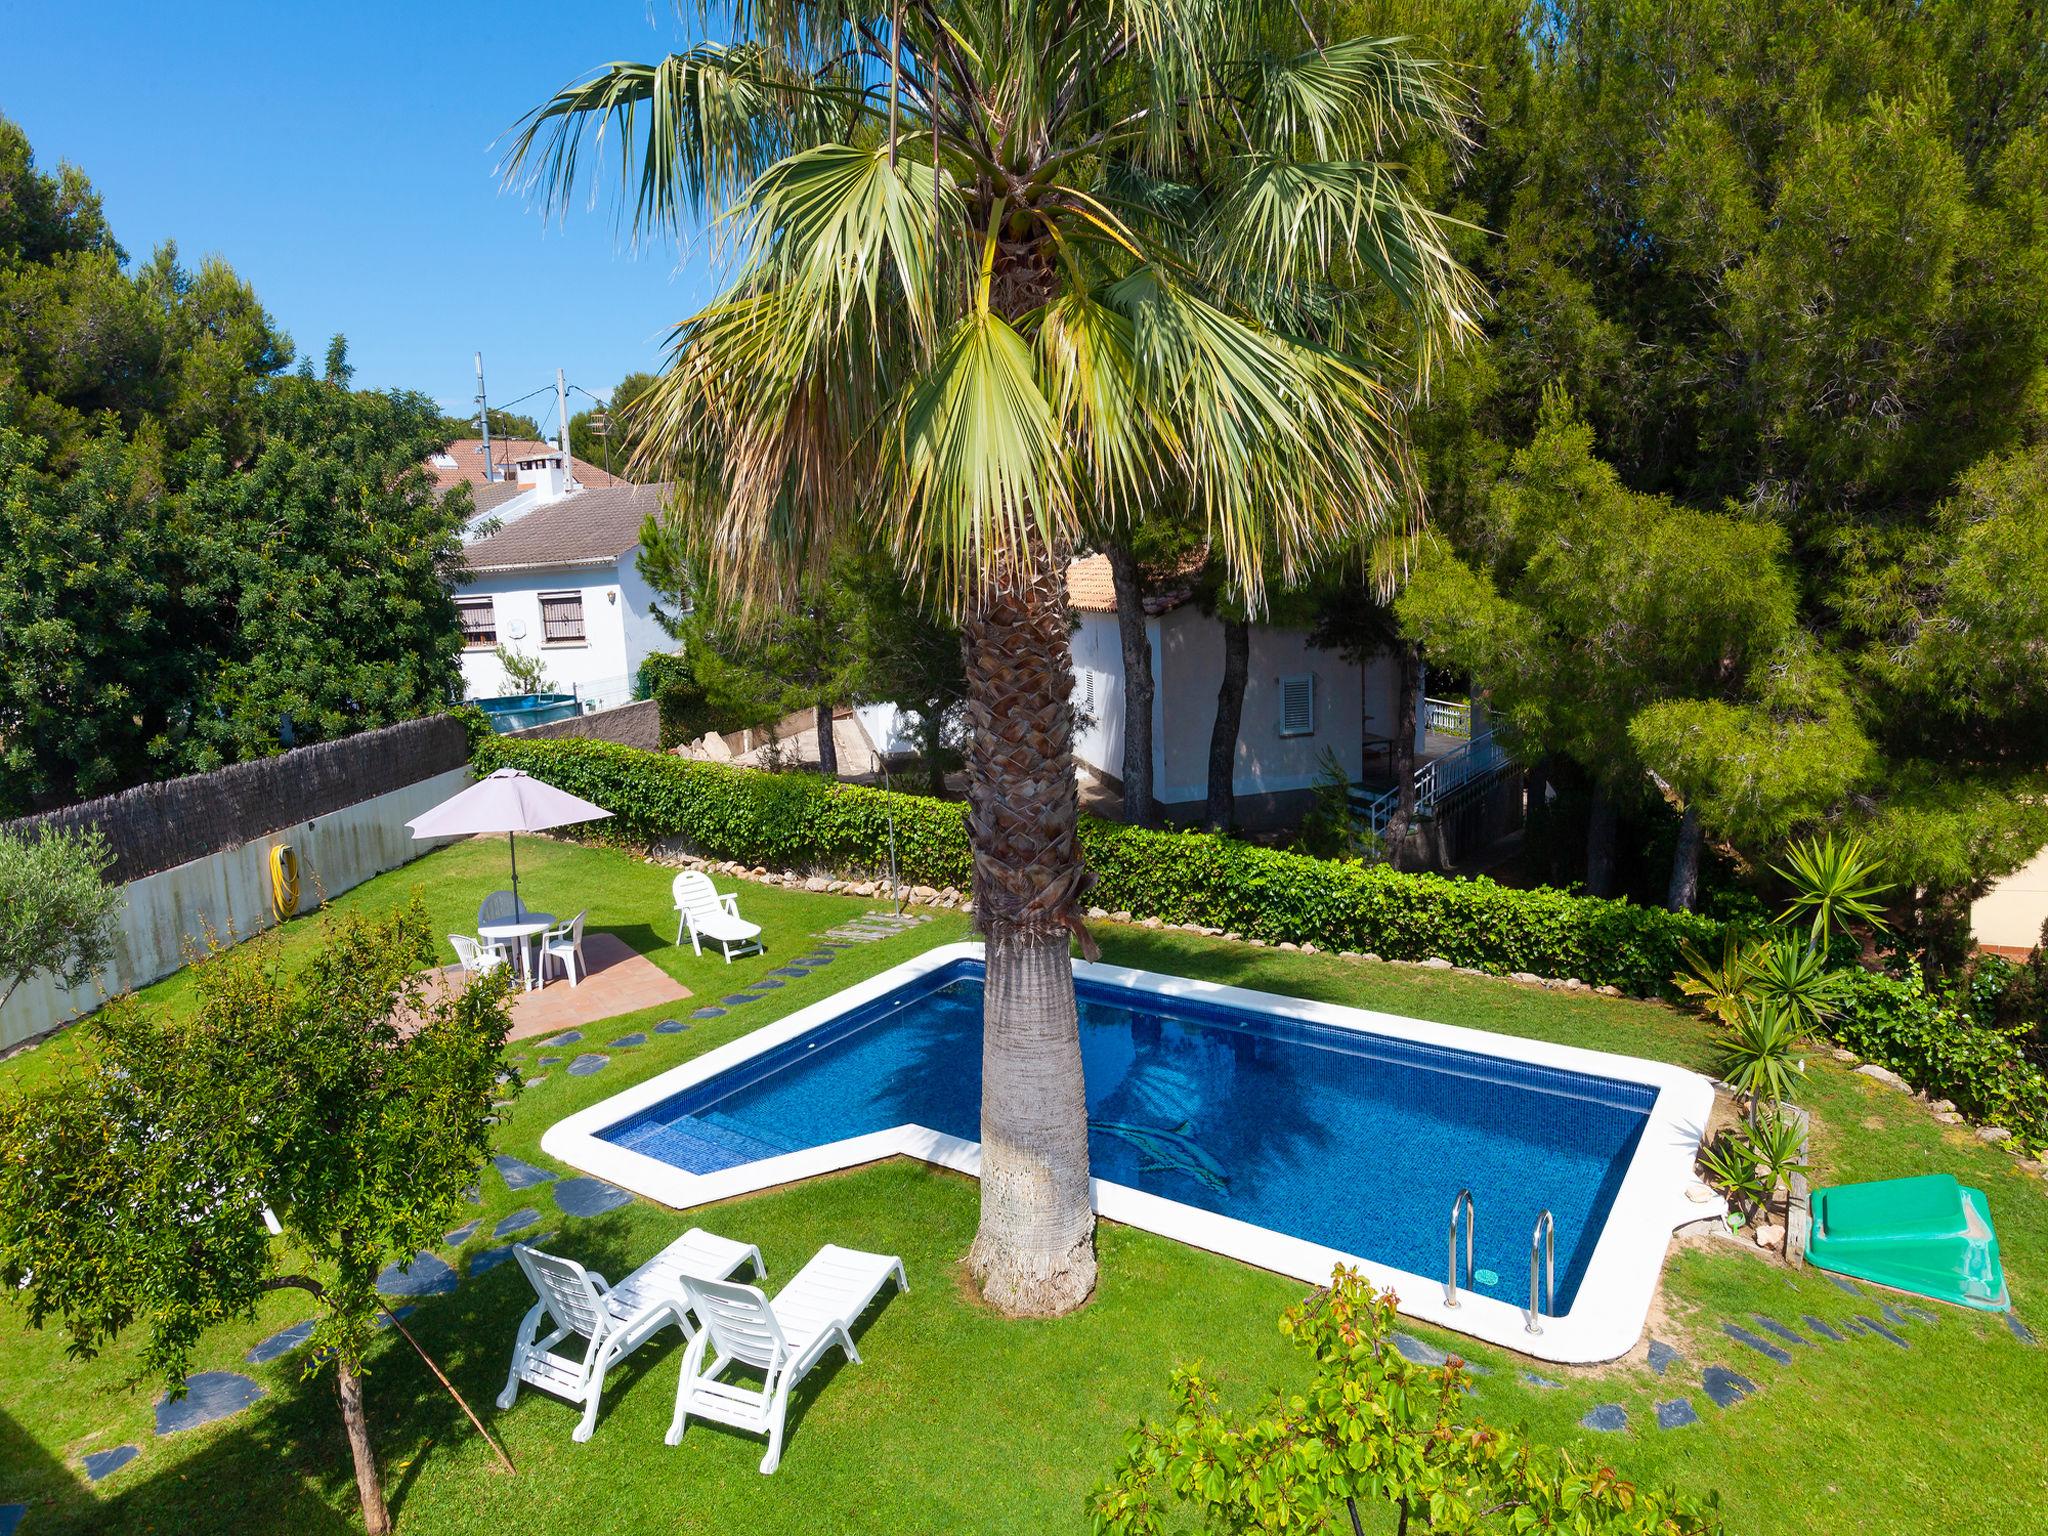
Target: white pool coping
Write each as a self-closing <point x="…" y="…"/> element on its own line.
<point x="1607" y="1316"/>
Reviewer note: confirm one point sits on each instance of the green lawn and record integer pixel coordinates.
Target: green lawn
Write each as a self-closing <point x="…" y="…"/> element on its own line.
<point x="959" y="1421"/>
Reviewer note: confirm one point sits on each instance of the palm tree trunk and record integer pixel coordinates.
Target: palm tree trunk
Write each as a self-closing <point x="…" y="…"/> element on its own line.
<point x="1685" y="864"/>
<point x="1407" y="700"/>
<point x="369" y="1486"/>
<point x="1237" y="649"/>
<point x="1130" y="625"/>
<point x="828" y="749"/>
<point x="1034" y="1253"/>
<point x="1600" y="844"/>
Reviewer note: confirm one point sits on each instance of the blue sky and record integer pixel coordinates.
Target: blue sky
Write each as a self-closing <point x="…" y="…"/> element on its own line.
<point x="340" y="157"/>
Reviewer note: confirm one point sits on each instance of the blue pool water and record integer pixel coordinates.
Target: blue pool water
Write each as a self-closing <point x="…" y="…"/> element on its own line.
<point x="1356" y="1141"/>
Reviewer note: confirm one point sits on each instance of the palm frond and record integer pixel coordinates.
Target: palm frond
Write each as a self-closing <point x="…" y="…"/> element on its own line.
<point x="1358" y="97"/>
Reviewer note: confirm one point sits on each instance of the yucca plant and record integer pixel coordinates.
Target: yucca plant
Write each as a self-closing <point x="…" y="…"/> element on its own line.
<point x="1001" y="271"/>
<point x="1834" y="884"/>
<point x="1717" y="985"/>
<point x="1756" y="1055"/>
<point x="1730" y="1164"/>
<point x="1788" y="974"/>
<point x="1774" y="1145"/>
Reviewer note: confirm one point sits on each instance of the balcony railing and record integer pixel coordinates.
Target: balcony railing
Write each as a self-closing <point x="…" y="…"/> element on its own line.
<point x="1435" y="780"/>
<point x="1447" y="717"/>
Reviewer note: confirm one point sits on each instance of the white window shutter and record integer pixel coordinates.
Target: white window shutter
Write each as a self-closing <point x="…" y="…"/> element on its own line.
<point x="1298" y="705"/>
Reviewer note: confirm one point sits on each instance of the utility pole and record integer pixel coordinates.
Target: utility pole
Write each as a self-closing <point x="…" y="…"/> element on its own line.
<point x="483" y="414"/>
<point x="562" y="416"/>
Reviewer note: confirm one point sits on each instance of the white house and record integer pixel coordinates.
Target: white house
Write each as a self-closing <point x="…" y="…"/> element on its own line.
<point x="1299" y="703"/>
<point x="561" y="580"/>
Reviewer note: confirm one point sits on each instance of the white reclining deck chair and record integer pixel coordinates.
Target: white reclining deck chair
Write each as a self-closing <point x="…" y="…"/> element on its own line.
<point x="782" y="1339"/>
<point x="704" y="914"/>
<point x="611" y="1321"/>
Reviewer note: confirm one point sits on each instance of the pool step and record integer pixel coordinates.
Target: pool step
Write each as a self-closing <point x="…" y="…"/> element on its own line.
<point x="697" y="1146"/>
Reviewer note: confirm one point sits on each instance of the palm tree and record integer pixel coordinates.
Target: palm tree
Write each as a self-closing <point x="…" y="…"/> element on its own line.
<point x="997" y="269"/>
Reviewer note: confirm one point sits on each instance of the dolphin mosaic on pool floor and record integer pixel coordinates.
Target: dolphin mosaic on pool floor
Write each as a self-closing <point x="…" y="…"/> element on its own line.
<point x="210" y="1395"/>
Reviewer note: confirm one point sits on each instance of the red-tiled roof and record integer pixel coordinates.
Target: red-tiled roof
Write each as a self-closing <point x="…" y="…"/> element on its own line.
<point x="468" y="454"/>
<point x="1091" y="587"/>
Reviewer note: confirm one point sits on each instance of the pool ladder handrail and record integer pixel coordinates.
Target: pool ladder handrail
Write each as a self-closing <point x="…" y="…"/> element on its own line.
<point x="1543" y="1240"/>
<point x="1469" y="1208"/>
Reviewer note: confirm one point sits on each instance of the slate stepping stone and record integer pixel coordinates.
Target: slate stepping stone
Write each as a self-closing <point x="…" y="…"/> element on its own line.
<point x="1473" y="1368"/>
<point x="546" y="1061"/>
<point x="1608" y="1418"/>
<point x="461" y="1234"/>
<point x="2018" y="1329"/>
<point x="10" y="1517"/>
<point x="491" y="1258"/>
<point x="574" y="1037"/>
<point x="278" y="1345"/>
<point x="474" y="1195"/>
<point x="1892" y="1315"/>
<point x="792" y="972"/>
<point x="670" y="1027"/>
<point x="1772" y="1325"/>
<point x="638" y="1037"/>
<point x="518" y="1221"/>
<point x="1761" y="1346"/>
<point x="589" y="1197"/>
<point x="587" y="1063"/>
<point x="1842" y="1283"/>
<point x="765" y="984"/>
<point x="210" y="1395"/>
<point x="1676" y="1414"/>
<point x="708" y="1013"/>
<point x="1724" y="1388"/>
<point x="1880" y="1330"/>
<point x="1821" y="1328"/>
<point x="426" y="1275"/>
<point x="103" y="1464"/>
<point x="1663" y="1356"/>
<point x="518" y="1175"/>
<point x="820" y="957"/>
<point x="396" y="1315"/>
<point x="1852" y="1326"/>
<point x="1416" y="1352"/>
<point x="1541" y="1383"/>
<point x="737" y="998"/>
<point x="1923" y="1314"/>
<point x="535" y="1082"/>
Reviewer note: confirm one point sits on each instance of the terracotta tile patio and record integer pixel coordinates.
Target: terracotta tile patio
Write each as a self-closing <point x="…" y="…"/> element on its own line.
<point x="621" y="980"/>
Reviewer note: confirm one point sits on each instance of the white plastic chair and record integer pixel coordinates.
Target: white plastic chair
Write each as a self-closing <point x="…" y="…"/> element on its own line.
<point x="611" y="1321"/>
<point x="564" y="942"/>
<point x="478" y="958"/>
<point x="782" y="1339"/>
<point x="500" y="907"/>
<point x="704" y="914"/>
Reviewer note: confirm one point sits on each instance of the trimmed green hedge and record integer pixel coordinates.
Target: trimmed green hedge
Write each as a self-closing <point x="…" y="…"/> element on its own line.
<point x="799" y="821"/>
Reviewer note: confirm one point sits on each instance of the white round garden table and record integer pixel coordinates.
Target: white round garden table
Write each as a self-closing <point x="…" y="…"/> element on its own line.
<point x="523" y="933"/>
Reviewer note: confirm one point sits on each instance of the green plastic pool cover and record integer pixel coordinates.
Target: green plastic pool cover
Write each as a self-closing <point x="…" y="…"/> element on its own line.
<point x="1928" y="1235"/>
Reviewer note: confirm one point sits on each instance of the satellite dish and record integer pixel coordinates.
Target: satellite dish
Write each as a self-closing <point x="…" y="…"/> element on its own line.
<point x="516" y="629"/>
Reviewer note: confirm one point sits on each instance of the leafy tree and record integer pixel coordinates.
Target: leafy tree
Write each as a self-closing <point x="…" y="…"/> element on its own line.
<point x="1368" y="1431"/>
<point x="341" y="1099"/>
<point x="57" y="915"/>
<point x="1005" y="278"/>
<point x="910" y="657"/>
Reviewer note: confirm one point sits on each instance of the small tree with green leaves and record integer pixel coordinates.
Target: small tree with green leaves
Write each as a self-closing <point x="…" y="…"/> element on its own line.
<point x="1368" y="1429"/>
<point x="343" y="1099"/>
<point x="56" y="913"/>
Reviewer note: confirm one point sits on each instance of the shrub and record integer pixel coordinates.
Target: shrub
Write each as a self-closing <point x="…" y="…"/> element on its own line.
<point x="1897" y="1023"/>
<point x="801" y="821"/>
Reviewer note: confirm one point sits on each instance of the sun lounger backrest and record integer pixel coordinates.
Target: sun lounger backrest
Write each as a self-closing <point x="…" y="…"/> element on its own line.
<point x="739" y="1320"/>
<point x="695" y="894"/>
<point x="565" y="1286"/>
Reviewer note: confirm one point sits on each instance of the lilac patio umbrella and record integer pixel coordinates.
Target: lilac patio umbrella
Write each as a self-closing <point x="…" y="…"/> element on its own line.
<point x="510" y="802"/>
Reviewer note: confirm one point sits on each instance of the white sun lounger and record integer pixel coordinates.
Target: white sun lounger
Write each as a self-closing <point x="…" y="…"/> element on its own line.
<point x="782" y="1339"/>
<point x="704" y="914"/>
<point x="610" y="1321"/>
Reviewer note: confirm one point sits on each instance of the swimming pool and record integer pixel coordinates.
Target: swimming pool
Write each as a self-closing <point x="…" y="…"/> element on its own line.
<point x="1290" y="1134"/>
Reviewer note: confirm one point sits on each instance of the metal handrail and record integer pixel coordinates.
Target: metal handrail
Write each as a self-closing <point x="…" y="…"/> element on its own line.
<point x="1470" y="1209"/>
<point x="1545" y="1239"/>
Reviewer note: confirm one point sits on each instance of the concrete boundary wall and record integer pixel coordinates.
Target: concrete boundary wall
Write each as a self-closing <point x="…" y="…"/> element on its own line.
<point x="169" y="914"/>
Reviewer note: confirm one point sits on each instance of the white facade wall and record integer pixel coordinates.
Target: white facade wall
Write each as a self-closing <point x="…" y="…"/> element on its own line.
<point x="1098" y="695"/>
<point x="619" y="627"/>
<point x="169" y="916"/>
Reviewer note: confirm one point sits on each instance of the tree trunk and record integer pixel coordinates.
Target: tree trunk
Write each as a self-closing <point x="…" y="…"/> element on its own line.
<point x="369" y="1486"/>
<point x="1407" y="700"/>
<point x="1237" y="650"/>
<point x="1685" y="864"/>
<point x="1600" y="845"/>
<point x="1130" y="626"/>
<point x="1034" y="1253"/>
<point x="828" y="749"/>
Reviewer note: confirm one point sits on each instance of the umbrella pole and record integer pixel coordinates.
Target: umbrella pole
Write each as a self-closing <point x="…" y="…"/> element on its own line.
<point x="512" y="842"/>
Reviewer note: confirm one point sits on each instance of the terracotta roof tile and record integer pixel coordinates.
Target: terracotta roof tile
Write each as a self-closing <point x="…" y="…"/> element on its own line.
<point x="468" y="454"/>
<point x="1090" y="586"/>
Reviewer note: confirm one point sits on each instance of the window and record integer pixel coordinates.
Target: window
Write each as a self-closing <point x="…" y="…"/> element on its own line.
<point x="479" y="623"/>
<point x="1298" y="705"/>
<point x="561" y="618"/>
